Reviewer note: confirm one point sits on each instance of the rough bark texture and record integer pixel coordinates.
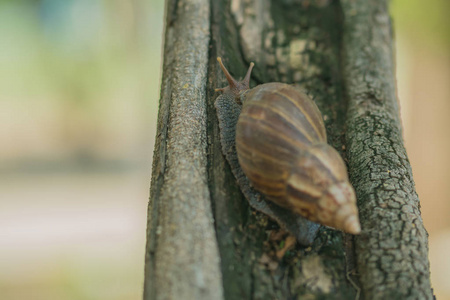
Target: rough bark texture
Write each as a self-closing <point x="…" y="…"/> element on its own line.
<point x="182" y="258"/>
<point x="340" y="52"/>
<point x="392" y="251"/>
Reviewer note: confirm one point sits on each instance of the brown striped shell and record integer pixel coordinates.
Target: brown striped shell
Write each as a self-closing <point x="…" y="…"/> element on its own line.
<point x="282" y="148"/>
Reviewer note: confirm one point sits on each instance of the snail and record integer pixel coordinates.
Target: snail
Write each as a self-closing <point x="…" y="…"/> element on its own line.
<point x="274" y="139"/>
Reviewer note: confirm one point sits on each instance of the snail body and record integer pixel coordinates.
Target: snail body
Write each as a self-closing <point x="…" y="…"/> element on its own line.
<point x="282" y="148"/>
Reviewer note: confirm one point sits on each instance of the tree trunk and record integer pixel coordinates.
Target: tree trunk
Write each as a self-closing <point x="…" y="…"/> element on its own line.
<point x="203" y="239"/>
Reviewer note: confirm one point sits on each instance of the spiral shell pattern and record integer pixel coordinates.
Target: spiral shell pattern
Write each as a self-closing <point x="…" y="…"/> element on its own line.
<point x="282" y="149"/>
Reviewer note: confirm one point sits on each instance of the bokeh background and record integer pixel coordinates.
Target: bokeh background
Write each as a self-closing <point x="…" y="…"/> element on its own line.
<point x="78" y="104"/>
<point x="79" y="86"/>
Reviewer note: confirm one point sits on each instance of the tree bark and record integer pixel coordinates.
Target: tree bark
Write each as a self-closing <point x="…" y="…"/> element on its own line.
<point x="203" y="239"/>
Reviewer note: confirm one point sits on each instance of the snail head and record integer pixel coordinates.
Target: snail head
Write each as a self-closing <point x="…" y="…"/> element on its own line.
<point x="235" y="87"/>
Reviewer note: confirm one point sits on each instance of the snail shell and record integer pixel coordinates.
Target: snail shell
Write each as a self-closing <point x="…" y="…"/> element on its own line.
<point x="282" y="148"/>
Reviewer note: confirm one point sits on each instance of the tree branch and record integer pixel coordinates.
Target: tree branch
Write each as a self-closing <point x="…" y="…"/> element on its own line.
<point x="182" y="259"/>
<point x="393" y="249"/>
<point x="340" y="52"/>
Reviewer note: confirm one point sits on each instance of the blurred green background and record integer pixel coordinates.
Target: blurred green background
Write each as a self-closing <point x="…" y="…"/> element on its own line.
<point x="79" y="85"/>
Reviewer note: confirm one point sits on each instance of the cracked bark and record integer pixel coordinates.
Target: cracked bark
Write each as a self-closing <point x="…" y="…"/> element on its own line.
<point x="392" y="251"/>
<point x="203" y="240"/>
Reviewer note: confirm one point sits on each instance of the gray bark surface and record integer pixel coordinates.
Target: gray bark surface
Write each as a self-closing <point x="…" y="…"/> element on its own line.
<point x="203" y="239"/>
<point x="392" y="251"/>
<point x="182" y="258"/>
